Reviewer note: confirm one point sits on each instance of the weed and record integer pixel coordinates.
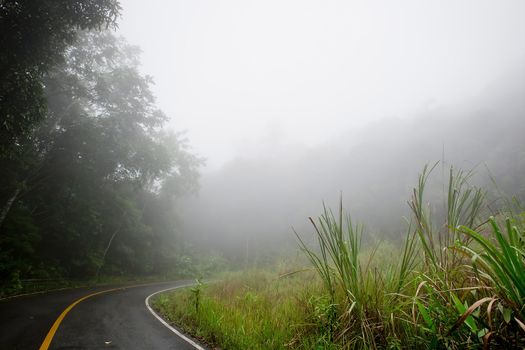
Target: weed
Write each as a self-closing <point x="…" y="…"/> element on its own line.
<point x="196" y="291"/>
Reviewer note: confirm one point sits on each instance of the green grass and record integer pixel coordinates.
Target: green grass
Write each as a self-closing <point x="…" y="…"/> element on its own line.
<point x="253" y="310"/>
<point x="457" y="282"/>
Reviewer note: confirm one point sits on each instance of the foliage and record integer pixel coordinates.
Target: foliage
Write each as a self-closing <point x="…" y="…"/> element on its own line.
<point x="340" y="268"/>
<point x="499" y="261"/>
<point x="33" y="37"/>
<point x="250" y="310"/>
<point x="196" y="290"/>
<point x="95" y="186"/>
<point x="463" y="206"/>
<point x="455" y="283"/>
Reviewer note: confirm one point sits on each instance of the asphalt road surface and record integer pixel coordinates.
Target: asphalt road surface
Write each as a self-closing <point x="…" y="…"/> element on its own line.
<point x="117" y="319"/>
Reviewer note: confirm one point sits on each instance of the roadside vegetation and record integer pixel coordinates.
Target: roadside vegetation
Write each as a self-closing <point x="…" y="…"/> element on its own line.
<point x="254" y="309"/>
<point x="197" y="264"/>
<point x="457" y="281"/>
<point x="89" y="173"/>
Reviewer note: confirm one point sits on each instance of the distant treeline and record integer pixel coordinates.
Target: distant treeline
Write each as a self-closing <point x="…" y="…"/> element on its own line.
<point x="374" y="167"/>
<point x="88" y="176"/>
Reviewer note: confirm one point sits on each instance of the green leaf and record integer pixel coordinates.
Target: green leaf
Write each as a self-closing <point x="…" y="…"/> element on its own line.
<point x="426" y="316"/>
<point x="482" y="332"/>
<point x="507" y="313"/>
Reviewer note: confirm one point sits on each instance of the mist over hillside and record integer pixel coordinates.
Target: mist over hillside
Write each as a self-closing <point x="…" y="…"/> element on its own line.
<point x="252" y="202"/>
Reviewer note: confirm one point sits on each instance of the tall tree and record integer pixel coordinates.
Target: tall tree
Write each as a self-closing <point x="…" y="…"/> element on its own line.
<point x="95" y="165"/>
<point x="33" y="36"/>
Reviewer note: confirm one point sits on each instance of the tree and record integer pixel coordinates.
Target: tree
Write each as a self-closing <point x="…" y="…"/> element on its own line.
<point x="96" y="165"/>
<point x="33" y="36"/>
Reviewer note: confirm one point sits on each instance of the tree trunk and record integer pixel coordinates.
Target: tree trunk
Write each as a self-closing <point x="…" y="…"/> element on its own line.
<point x="8" y="205"/>
<point x="107" y="249"/>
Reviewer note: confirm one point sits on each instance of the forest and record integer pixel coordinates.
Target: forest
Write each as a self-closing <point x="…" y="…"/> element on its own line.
<point x="89" y="175"/>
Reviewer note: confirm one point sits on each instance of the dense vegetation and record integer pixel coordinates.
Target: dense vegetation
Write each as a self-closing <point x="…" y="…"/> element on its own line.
<point x="457" y="282"/>
<point x="89" y="177"/>
<point x="90" y="180"/>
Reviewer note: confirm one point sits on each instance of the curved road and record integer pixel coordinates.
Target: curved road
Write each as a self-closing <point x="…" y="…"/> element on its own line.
<point x="117" y="319"/>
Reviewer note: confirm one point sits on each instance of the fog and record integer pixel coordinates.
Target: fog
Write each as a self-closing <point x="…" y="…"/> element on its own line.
<point x="259" y="198"/>
<point x="294" y="102"/>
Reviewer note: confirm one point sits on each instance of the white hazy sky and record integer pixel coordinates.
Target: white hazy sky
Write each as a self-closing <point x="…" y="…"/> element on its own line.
<point x="240" y="74"/>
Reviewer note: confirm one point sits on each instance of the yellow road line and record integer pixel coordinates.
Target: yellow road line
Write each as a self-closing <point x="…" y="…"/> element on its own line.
<point x="49" y="337"/>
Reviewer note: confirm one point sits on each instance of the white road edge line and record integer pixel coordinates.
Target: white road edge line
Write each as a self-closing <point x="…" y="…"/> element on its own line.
<point x="146" y="301"/>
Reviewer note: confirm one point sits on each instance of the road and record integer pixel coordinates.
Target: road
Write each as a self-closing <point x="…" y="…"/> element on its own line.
<point x="117" y="319"/>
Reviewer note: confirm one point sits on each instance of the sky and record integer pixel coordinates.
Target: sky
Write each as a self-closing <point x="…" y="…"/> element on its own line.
<point x="243" y="77"/>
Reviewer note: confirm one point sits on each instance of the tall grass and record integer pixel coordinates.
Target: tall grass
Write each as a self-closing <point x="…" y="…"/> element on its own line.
<point x="365" y="296"/>
<point x="457" y="281"/>
<point x="436" y="298"/>
<point x="499" y="261"/>
<point x="463" y="206"/>
<point x="339" y="266"/>
<point x="253" y="310"/>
